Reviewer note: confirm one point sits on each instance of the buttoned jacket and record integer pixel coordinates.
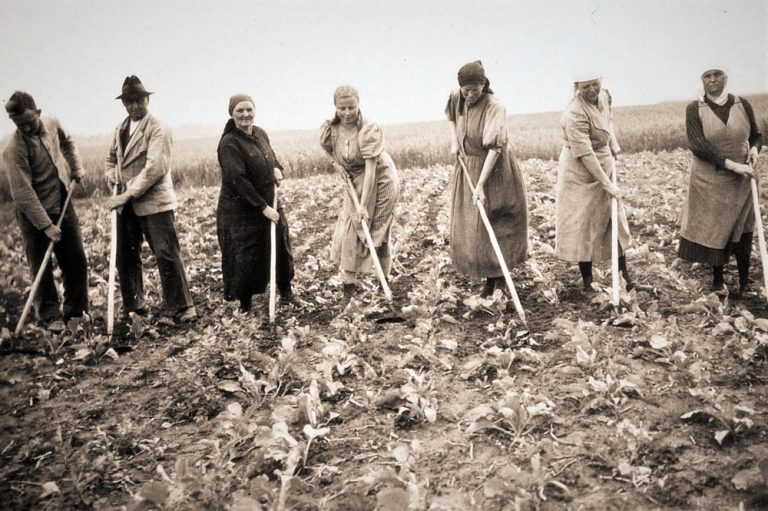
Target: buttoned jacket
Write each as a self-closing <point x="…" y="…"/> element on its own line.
<point x="143" y="166"/>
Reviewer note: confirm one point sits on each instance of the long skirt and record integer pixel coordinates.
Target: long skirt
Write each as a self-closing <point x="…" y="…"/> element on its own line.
<point x="244" y="241"/>
<point x="471" y="250"/>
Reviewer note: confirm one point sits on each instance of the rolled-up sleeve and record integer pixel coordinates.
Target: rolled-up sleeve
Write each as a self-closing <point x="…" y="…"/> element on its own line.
<point x="577" y="133"/>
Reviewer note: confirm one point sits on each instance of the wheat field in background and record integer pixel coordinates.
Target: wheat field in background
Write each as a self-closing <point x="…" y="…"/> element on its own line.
<point x="659" y="127"/>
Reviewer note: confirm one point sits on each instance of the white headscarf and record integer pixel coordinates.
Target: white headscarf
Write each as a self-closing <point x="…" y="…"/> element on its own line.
<point x="723" y="98"/>
<point x="586" y="75"/>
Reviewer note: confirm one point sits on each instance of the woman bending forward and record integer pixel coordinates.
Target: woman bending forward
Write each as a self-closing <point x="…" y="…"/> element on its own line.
<point x="356" y="147"/>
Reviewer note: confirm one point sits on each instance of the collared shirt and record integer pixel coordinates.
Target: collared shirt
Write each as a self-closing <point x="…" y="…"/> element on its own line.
<point x="37" y="166"/>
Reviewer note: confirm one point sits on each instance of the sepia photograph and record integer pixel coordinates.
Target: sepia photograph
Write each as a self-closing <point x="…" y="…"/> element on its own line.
<point x="386" y="255"/>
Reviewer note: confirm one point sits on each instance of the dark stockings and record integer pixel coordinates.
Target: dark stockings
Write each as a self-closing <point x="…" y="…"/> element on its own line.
<point x="585" y="267"/>
<point x="742" y="250"/>
<point x="742" y="253"/>
<point x="625" y="272"/>
<point x="717" y="278"/>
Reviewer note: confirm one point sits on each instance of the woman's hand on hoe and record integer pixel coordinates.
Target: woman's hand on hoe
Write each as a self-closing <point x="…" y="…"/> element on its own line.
<point x="271" y="214"/>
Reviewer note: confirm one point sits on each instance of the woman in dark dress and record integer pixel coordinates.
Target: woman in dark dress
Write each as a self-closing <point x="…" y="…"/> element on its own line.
<point x="249" y="173"/>
<point x="718" y="216"/>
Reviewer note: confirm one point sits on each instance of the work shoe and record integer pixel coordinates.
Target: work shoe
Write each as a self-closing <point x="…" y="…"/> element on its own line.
<point x="501" y="284"/>
<point x="141" y="311"/>
<point x="56" y="326"/>
<point x="744" y="292"/>
<point x="187" y="315"/>
<point x="720" y="289"/>
<point x="245" y="304"/>
<point x="286" y="297"/>
<point x="744" y="288"/>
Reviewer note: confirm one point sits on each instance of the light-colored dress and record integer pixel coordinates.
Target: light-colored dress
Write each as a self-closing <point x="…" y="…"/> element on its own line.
<point x="348" y="247"/>
<point x="480" y="128"/>
<point x="719" y="205"/>
<point x="583" y="218"/>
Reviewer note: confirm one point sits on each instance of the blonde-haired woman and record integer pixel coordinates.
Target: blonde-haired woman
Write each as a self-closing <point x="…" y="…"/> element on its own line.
<point x="356" y="147"/>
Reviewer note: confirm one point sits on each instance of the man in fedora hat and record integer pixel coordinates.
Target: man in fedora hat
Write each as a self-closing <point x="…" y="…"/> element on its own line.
<point x="139" y="162"/>
<point x="41" y="160"/>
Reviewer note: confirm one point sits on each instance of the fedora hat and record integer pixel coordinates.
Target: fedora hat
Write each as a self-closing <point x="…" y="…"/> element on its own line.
<point x="132" y="88"/>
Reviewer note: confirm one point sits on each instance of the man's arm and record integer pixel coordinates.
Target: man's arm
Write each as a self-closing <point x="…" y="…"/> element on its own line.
<point x="70" y="152"/>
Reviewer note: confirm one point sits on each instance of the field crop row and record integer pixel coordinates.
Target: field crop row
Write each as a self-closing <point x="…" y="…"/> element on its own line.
<point x="660" y="404"/>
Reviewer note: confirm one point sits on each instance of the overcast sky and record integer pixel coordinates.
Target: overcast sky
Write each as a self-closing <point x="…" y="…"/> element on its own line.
<point x="73" y="55"/>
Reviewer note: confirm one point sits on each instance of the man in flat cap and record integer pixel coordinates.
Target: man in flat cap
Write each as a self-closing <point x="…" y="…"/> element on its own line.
<point x="139" y="162"/>
<point x="41" y="160"/>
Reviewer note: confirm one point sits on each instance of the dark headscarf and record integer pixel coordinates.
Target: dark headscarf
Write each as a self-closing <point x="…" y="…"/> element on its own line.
<point x="239" y="98"/>
<point x="233" y="102"/>
<point x="474" y="72"/>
